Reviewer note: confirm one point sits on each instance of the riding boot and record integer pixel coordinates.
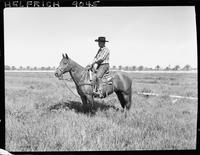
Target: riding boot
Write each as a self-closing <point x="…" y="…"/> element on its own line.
<point x="96" y="91"/>
<point x="99" y="92"/>
<point x="97" y="84"/>
<point x="94" y="83"/>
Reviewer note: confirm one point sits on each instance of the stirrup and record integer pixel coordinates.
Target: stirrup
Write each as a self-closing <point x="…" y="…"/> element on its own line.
<point x="98" y="93"/>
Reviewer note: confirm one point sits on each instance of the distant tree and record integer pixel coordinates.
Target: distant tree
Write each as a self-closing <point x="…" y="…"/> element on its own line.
<point x="114" y="67"/>
<point x="120" y="67"/>
<point x="20" y="68"/>
<point x="7" y="67"/>
<point x="28" y="67"/>
<point x="126" y="68"/>
<point x="34" y="68"/>
<point x="42" y="68"/>
<point x="48" y="68"/>
<point x="53" y="68"/>
<point x="133" y="68"/>
<point x="157" y="67"/>
<point x="177" y="67"/>
<point x="140" y="68"/>
<point x="187" y="67"/>
<point x="167" y="68"/>
<point x="13" y="68"/>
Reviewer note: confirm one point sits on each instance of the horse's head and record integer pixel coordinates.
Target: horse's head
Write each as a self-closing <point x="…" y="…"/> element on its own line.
<point x="63" y="67"/>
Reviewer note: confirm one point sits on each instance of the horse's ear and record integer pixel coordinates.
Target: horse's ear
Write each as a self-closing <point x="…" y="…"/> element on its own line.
<point x="63" y="55"/>
<point x="66" y="56"/>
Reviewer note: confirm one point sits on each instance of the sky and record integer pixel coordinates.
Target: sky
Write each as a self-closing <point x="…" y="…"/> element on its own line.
<point x="147" y="36"/>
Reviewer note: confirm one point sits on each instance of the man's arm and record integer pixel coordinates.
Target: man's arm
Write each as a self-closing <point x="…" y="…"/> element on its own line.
<point x="102" y="57"/>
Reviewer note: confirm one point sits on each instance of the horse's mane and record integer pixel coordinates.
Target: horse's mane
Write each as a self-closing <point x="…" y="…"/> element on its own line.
<point x="85" y="71"/>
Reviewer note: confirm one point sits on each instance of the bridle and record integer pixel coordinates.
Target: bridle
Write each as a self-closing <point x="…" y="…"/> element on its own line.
<point x="78" y="84"/>
<point x="62" y="70"/>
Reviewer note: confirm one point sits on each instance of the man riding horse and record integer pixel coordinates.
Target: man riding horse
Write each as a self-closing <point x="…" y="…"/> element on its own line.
<point x="100" y="64"/>
<point x="120" y="82"/>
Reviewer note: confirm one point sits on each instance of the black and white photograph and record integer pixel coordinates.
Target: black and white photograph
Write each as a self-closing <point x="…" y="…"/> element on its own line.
<point x="100" y="78"/>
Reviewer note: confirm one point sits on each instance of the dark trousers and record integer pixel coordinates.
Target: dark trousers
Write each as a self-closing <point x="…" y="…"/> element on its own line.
<point x="101" y="70"/>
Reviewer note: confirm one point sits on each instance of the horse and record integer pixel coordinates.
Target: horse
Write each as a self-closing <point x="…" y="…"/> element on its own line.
<point x="121" y="83"/>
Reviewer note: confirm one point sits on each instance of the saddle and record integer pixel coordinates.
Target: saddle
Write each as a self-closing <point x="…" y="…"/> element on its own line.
<point x="106" y="79"/>
<point x="102" y="83"/>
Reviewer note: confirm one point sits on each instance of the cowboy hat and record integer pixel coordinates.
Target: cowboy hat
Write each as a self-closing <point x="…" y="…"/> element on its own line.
<point x="101" y="39"/>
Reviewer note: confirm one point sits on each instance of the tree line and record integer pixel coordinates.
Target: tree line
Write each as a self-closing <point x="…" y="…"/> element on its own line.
<point x="7" y="67"/>
<point x="187" y="67"/>
<point x="156" y="68"/>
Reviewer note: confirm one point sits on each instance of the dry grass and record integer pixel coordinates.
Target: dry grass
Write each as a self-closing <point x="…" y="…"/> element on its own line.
<point x="41" y="115"/>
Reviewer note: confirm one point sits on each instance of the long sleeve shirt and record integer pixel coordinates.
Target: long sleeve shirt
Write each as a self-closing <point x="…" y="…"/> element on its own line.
<point x="102" y="56"/>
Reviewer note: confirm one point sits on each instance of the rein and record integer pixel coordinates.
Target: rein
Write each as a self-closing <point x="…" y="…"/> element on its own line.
<point x="71" y="90"/>
<point x="61" y="78"/>
<point x="76" y="83"/>
<point x="82" y="84"/>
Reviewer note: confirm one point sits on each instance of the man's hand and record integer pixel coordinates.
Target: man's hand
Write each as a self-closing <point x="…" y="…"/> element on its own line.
<point x="89" y="66"/>
<point x="95" y="66"/>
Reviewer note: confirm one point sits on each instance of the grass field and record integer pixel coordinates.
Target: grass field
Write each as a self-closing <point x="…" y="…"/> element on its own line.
<point x="42" y="115"/>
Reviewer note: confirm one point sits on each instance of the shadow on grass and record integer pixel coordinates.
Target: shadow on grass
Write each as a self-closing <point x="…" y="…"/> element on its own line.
<point x="80" y="108"/>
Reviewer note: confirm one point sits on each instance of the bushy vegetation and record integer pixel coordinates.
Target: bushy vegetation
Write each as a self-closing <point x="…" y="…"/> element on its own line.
<point x="42" y="115"/>
<point x="120" y="67"/>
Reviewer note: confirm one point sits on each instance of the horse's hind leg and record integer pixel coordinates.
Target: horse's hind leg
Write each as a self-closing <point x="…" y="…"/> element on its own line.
<point x="128" y="104"/>
<point x="125" y="101"/>
<point x="128" y="101"/>
<point x="121" y="98"/>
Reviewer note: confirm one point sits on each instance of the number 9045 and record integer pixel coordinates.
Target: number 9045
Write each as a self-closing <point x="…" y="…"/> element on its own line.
<point x="86" y="3"/>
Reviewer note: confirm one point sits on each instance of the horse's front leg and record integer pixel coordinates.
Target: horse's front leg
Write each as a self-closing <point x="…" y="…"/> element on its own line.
<point x="84" y="101"/>
<point x="90" y="100"/>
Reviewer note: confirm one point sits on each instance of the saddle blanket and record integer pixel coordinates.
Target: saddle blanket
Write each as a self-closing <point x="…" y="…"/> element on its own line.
<point x="107" y="78"/>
